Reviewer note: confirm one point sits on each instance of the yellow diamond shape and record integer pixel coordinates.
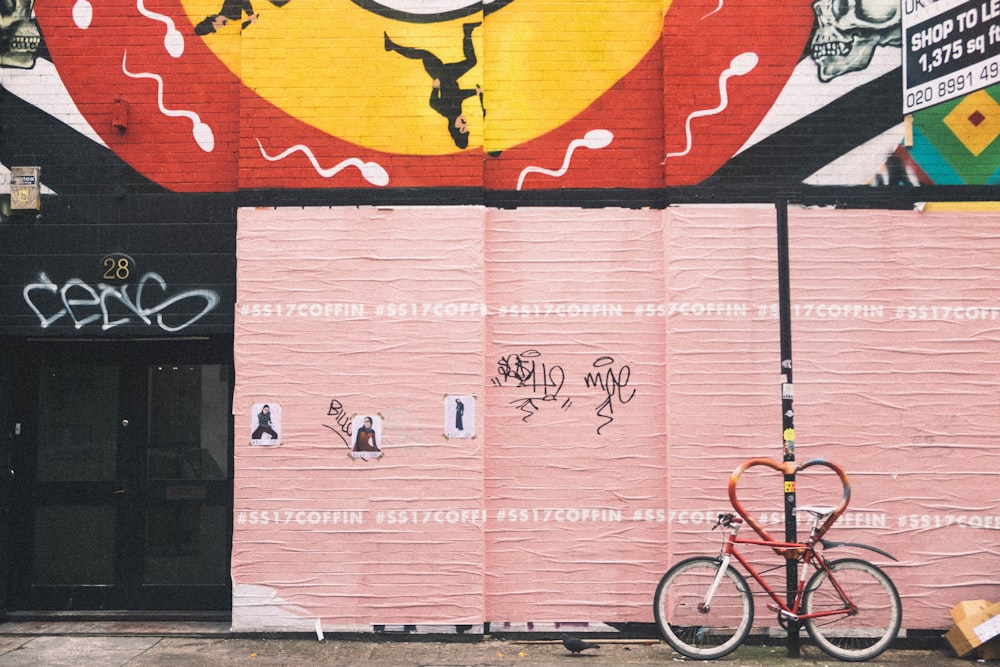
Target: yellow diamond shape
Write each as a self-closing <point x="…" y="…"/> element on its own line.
<point x="975" y="121"/>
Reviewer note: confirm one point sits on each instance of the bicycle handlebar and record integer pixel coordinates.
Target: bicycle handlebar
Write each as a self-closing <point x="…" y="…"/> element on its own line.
<point x="789" y="468"/>
<point x="727" y="520"/>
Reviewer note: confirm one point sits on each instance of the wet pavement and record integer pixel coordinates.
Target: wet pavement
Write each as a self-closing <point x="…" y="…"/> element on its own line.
<point x="136" y="644"/>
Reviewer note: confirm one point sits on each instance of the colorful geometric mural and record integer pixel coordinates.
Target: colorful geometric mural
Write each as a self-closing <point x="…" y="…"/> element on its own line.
<point x="955" y="143"/>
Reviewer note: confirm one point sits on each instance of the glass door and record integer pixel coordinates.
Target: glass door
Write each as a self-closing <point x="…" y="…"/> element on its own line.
<point x="123" y="477"/>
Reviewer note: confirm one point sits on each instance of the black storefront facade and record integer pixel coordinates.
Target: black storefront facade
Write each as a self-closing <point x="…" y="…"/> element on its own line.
<point x="116" y="380"/>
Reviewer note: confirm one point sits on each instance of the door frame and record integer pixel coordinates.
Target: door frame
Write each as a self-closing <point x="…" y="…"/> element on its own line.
<point x="128" y="592"/>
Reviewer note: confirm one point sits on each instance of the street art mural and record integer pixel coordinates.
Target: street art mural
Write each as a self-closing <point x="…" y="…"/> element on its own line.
<point x="450" y="416"/>
<point x="505" y="95"/>
<point x="621" y="365"/>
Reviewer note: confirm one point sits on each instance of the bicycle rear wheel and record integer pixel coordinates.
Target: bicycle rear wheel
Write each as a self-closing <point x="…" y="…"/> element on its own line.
<point x="864" y="634"/>
<point x="691" y="628"/>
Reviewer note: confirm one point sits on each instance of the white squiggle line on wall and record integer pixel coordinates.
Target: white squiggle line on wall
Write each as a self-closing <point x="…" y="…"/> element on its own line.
<point x="738" y="66"/>
<point x="594" y="139"/>
<point x="372" y="172"/>
<point x="173" y="41"/>
<point x="714" y="11"/>
<point x="202" y="132"/>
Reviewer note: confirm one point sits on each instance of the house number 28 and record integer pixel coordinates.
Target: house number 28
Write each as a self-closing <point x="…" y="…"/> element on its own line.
<point x="117" y="267"/>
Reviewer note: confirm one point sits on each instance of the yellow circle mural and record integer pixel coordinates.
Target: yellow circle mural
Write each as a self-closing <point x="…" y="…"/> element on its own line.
<point x="359" y="74"/>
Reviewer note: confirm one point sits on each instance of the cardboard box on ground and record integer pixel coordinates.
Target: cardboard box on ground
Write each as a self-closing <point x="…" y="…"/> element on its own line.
<point x="977" y="628"/>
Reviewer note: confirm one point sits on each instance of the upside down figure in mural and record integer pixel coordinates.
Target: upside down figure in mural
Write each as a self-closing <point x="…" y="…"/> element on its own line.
<point x="446" y="95"/>
<point x="232" y="10"/>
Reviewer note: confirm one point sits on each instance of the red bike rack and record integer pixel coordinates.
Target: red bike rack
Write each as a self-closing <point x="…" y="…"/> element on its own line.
<point x="788" y="468"/>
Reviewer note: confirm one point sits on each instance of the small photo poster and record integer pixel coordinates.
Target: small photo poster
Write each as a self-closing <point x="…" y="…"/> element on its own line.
<point x="367" y="439"/>
<point x="460" y="416"/>
<point x="265" y="425"/>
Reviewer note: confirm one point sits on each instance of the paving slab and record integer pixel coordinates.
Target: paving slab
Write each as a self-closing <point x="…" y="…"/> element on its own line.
<point x="77" y="651"/>
<point x="137" y="645"/>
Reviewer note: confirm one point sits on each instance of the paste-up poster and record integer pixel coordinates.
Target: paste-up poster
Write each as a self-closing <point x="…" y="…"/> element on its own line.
<point x="616" y="366"/>
<point x="266" y="424"/>
<point x="460" y="416"/>
<point x="367" y="431"/>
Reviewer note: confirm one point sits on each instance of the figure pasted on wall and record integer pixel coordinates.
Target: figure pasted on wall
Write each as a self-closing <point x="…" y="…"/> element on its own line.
<point x="267" y="422"/>
<point x="366" y="438"/>
<point x="447" y="95"/>
<point x="460" y="416"/>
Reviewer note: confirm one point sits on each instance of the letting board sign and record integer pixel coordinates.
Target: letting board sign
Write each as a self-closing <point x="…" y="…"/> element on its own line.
<point x="951" y="48"/>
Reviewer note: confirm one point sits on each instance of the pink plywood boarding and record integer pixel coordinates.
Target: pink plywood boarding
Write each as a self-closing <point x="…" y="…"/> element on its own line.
<point x="407" y="542"/>
<point x="619" y="366"/>
<point x="581" y="468"/>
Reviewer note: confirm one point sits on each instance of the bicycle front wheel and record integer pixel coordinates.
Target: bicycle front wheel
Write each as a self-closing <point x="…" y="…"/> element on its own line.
<point x="857" y="636"/>
<point x="694" y="628"/>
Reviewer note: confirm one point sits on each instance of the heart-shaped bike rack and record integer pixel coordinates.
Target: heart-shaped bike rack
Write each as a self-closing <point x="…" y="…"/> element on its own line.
<point x="788" y="468"/>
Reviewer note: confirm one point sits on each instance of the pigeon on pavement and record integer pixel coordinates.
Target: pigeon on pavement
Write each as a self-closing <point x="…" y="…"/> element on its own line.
<point x="575" y="645"/>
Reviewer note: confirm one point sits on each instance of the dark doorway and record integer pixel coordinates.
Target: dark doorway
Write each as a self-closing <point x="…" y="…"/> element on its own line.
<point x="122" y="461"/>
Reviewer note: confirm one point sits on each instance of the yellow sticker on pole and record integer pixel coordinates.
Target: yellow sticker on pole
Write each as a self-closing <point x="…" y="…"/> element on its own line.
<point x="789" y="487"/>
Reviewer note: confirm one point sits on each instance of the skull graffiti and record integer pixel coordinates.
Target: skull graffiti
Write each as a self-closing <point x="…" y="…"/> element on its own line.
<point x="847" y="32"/>
<point x="19" y="35"/>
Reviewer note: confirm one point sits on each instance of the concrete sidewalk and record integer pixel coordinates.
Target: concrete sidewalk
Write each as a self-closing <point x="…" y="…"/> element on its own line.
<point x="190" y="644"/>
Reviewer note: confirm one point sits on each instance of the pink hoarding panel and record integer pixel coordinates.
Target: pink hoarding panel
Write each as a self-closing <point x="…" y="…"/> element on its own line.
<point x="557" y="399"/>
<point x="723" y="391"/>
<point x="332" y="327"/>
<point x="576" y="456"/>
<point x="896" y="330"/>
<point x="895" y="342"/>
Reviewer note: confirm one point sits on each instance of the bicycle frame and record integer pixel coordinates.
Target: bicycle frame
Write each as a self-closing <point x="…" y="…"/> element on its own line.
<point x="806" y="553"/>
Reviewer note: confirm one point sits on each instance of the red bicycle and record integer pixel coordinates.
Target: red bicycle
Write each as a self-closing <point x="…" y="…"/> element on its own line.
<point x="851" y="609"/>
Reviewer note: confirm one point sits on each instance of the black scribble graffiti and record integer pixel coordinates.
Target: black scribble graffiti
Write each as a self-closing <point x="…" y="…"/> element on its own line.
<point x="611" y="384"/>
<point x="524" y="371"/>
<point x="544" y="382"/>
<point x="526" y="406"/>
<point x="343" y="427"/>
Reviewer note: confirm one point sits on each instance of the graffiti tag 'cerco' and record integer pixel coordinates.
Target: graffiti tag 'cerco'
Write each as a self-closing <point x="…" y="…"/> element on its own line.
<point x="78" y="301"/>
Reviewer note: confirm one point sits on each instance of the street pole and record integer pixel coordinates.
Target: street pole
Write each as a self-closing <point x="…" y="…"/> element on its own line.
<point x="787" y="419"/>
